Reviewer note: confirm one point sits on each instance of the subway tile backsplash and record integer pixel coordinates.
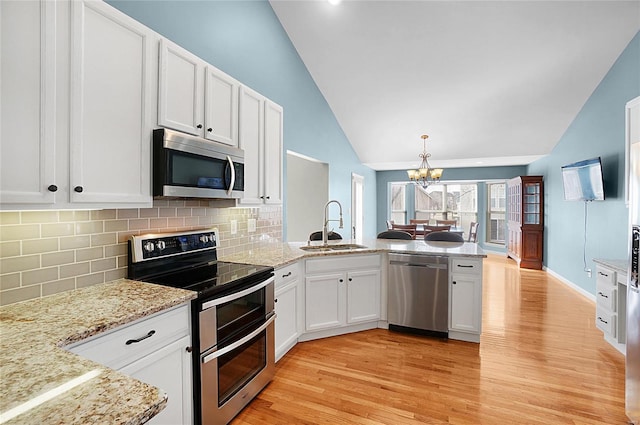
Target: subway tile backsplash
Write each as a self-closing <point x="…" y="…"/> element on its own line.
<point x="47" y="252"/>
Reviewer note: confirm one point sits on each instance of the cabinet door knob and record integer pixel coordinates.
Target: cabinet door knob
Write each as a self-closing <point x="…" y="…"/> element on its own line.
<point x="268" y="197"/>
<point x="209" y="129"/>
<point x="275" y="300"/>
<point x="350" y="279"/>
<point x="78" y="189"/>
<point x="189" y="349"/>
<point x="199" y="126"/>
<point x="53" y="188"/>
<point x="341" y="280"/>
<point x="454" y="282"/>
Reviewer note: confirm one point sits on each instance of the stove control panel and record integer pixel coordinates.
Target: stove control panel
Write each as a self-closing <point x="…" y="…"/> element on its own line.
<point x="151" y="246"/>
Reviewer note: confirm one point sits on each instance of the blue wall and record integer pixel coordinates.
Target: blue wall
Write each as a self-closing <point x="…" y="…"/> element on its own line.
<point x="450" y="174"/>
<point x="597" y="130"/>
<point x="245" y="40"/>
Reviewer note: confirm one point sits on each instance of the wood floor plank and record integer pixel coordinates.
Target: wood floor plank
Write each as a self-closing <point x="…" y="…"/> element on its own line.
<point x="540" y="361"/>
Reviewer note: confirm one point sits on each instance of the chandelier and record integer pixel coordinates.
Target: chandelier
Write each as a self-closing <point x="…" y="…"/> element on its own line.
<point x="425" y="175"/>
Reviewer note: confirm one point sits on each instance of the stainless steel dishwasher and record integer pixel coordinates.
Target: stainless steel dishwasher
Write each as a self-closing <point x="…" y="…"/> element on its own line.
<point x="418" y="299"/>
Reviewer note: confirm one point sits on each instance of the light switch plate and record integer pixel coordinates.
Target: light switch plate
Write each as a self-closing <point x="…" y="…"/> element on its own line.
<point x="251" y="225"/>
<point x="234" y="227"/>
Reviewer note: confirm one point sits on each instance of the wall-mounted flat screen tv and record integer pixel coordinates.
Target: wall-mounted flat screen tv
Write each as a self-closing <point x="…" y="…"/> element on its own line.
<point x="582" y="181"/>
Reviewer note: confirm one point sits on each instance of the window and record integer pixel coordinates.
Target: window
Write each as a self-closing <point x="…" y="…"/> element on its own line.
<point x="398" y="206"/>
<point x="496" y="212"/>
<point x="448" y="202"/>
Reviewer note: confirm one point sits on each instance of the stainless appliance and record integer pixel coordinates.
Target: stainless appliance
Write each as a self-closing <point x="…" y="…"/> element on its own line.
<point x="418" y="298"/>
<point x="633" y="291"/>
<point x="232" y="317"/>
<point x="192" y="167"/>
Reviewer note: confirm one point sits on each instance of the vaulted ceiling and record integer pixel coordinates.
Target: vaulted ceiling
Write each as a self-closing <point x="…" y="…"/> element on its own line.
<point x="490" y="82"/>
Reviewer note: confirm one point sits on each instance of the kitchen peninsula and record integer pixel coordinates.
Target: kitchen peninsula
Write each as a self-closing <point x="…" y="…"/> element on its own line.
<point x="37" y="371"/>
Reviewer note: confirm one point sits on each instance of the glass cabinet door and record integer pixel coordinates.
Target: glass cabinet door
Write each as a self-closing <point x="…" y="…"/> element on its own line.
<point x="531" y="203"/>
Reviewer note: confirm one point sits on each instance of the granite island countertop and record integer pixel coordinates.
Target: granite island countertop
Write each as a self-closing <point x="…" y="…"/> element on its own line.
<point x="278" y="254"/>
<point x="42" y="383"/>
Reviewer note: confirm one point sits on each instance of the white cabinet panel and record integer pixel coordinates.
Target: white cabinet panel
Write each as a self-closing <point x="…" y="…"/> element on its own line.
<point x="261" y="137"/>
<point x="181" y="87"/>
<point x="287" y="318"/>
<point x="325" y="305"/>
<point x="27" y="103"/>
<point x="221" y="107"/>
<point x="465" y="299"/>
<point x="111" y="87"/>
<point x="363" y="296"/>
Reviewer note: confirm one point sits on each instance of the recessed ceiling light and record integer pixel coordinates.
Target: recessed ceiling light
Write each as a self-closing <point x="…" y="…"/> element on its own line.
<point x="334" y="2"/>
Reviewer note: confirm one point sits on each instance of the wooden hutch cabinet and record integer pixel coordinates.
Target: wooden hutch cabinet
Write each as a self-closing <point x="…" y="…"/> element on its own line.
<point x="525" y="224"/>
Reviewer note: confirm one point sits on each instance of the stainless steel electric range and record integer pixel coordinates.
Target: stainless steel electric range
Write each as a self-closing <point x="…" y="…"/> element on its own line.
<point x="232" y="317"/>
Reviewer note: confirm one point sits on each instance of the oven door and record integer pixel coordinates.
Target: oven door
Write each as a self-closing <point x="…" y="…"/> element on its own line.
<point x="233" y="374"/>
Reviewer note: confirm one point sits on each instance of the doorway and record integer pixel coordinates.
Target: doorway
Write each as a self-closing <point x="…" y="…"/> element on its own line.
<point x="307" y="193"/>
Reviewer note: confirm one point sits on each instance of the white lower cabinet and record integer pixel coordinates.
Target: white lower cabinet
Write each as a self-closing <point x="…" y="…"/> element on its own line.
<point x="611" y="305"/>
<point x="341" y="293"/>
<point x="288" y="308"/>
<point x="154" y="350"/>
<point x="465" y="299"/>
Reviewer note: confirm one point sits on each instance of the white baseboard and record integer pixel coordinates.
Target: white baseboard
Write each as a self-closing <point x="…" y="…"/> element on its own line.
<point x="572" y="285"/>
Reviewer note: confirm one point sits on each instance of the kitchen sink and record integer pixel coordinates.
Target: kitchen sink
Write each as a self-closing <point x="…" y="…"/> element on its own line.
<point x="337" y="247"/>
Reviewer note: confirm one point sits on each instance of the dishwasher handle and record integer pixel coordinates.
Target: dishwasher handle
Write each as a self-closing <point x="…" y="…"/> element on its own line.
<point x="416" y="260"/>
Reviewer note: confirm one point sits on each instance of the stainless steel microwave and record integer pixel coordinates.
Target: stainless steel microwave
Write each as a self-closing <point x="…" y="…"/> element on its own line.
<point x="186" y="166"/>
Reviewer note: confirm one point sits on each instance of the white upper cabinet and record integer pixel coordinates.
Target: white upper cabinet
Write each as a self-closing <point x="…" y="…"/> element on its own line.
<point x="261" y="138"/>
<point x="27" y="108"/>
<point x="181" y="89"/>
<point x="111" y="99"/>
<point x="195" y="97"/>
<point x="78" y="89"/>
<point x="221" y="107"/>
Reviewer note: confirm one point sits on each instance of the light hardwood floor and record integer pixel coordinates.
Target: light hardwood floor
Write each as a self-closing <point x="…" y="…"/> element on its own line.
<point x="540" y="361"/>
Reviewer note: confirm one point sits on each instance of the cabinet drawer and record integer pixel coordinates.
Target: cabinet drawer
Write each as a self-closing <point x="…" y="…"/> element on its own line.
<point x="606" y="297"/>
<point x="465" y="265"/>
<point x="606" y="321"/>
<point x="605" y="276"/>
<point x="287" y="274"/>
<point x="112" y="350"/>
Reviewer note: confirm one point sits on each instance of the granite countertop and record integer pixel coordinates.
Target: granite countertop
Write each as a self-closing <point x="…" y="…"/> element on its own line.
<point x="281" y="254"/>
<point x="619" y="266"/>
<point x="42" y="383"/>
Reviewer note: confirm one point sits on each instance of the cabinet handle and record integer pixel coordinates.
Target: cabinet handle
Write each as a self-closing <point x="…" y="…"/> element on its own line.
<point x="78" y="189"/>
<point x="53" y="188"/>
<point x="603" y="274"/>
<point x="286" y="275"/>
<point x="133" y="341"/>
<point x="199" y="126"/>
<point x="209" y="129"/>
<point x="603" y="321"/>
<point x="466" y="267"/>
<point x="189" y="349"/>
<point x="603" y="295"/>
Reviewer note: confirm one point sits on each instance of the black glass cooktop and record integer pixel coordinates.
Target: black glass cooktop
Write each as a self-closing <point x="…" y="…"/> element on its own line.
<point x="199" y="273"/>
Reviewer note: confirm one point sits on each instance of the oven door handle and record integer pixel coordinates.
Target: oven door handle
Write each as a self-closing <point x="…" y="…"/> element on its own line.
<point x="236" y="295"/>
<point x="238" y="343"/>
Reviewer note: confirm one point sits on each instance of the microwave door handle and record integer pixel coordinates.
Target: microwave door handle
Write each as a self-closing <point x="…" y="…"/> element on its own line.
<point x="233" y="176"/>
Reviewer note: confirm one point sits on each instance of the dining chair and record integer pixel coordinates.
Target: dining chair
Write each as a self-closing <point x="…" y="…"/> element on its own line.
<point x="409" y="228"/>
<point x="419" y="221"/>
<point x="444" y="237"/>
<point x="473" y="232"/>
<point x="451" y="223"/>
<point x="389" y="224"/>
<point x="429" y="229"/>
<point x="395" y="234"/>
<point x="317" y="236"/>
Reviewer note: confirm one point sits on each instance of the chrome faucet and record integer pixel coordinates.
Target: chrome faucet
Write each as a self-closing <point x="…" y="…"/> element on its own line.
<point x="325" y="233"/>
